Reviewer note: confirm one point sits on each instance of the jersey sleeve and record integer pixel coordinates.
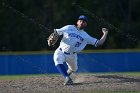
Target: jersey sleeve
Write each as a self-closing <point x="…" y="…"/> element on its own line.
<point x="92" y="41"/>
<point x="61" y="30"/>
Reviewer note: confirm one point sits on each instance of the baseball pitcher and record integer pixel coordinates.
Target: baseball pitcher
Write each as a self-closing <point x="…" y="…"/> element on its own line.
<point x="74" y="41"/>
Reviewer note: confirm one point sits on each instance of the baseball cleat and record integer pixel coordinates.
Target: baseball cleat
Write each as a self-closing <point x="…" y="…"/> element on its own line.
<point x="68" y="81"/>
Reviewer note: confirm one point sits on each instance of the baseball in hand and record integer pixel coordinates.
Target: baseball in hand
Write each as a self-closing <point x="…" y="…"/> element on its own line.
<point x="104" y="30"/>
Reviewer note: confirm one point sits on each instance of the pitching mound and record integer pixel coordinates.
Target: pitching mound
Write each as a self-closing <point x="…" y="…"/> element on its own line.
<point x="83" y="83"/>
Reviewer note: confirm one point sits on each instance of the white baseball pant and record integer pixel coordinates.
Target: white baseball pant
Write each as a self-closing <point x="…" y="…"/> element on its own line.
<point x="70" y="58"/>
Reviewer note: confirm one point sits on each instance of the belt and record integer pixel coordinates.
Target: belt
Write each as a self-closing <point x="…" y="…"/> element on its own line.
<point x="66" y="52"/>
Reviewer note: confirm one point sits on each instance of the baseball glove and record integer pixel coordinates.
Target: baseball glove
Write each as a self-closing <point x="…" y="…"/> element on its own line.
<point x="52" y="39"/>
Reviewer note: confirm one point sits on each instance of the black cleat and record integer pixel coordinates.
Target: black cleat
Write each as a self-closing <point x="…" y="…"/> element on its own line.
<point x="68" y="81"/>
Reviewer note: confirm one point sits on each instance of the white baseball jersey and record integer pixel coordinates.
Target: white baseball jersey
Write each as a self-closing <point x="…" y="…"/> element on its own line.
<point x="74" y="40"/>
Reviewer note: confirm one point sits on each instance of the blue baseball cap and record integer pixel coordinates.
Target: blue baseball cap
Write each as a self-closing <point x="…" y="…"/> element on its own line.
<point x="83" y="17"/>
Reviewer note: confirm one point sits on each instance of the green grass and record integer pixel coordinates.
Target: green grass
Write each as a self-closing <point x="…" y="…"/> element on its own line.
<point x="122" y="73"/>
<point x="14" y="77"/>
<point x="132" y="73"/>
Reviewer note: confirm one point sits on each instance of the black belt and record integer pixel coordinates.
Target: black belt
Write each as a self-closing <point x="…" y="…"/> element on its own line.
<point x="66" y="52"/>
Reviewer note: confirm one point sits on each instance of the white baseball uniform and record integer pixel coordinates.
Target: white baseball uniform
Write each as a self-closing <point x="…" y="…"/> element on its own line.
<point x="73" y="42"/>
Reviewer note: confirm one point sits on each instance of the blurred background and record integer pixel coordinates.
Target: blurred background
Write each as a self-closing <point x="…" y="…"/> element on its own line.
<point x="22" y="22"/>
<point x="26" y="24"/>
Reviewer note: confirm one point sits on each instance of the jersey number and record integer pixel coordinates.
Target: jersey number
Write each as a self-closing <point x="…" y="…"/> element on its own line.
<point x="77" y="44"/>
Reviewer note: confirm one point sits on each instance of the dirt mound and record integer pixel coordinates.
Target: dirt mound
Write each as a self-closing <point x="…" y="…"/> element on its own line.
<point x="83" y="83"/>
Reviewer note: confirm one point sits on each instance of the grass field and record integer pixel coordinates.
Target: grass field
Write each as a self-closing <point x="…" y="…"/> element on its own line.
<point x="14" y="77"/>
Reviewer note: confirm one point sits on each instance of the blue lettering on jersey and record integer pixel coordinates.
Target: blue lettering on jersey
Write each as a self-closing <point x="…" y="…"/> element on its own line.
<point x="76" y="36"/>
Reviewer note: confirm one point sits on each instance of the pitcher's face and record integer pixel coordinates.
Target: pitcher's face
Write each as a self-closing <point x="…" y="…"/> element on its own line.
<point x="81" y="24"/>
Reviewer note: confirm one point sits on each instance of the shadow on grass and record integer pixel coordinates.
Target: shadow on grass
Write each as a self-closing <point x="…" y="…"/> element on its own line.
<point x="120" y="78"/>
